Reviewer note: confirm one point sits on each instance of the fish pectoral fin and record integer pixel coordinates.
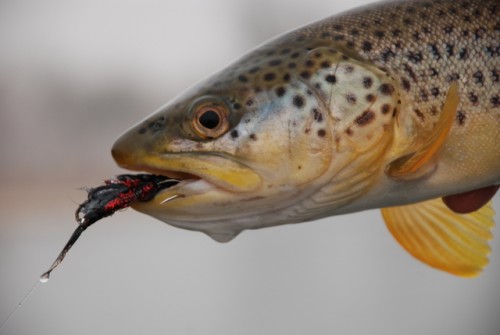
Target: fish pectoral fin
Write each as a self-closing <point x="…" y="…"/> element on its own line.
<point x="422" y="159"/>
<point x="452" y="242"/>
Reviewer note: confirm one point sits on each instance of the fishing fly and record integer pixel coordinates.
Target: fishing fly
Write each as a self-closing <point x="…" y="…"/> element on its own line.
<point x="117" y="193"/>
<point x="102" y="201"/>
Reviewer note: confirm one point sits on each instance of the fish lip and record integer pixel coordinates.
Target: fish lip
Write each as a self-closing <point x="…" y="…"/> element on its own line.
<point x="217" y="169"/>
<point x="171" y="174"/>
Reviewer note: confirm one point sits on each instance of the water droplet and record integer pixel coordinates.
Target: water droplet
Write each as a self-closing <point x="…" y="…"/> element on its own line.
<point x="44" y="278"/>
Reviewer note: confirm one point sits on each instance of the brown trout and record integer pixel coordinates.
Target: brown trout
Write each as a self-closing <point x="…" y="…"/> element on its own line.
<point x="395" y="105"/>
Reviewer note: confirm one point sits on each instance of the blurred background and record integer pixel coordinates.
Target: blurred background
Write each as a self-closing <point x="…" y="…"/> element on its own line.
<point x="76" y="74"/>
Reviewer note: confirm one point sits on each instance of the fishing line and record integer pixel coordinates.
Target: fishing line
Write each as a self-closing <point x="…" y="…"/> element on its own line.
<point x="22" y="301"/>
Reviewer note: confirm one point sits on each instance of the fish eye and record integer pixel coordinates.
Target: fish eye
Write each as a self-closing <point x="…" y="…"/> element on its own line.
<point x="211" y="121"/>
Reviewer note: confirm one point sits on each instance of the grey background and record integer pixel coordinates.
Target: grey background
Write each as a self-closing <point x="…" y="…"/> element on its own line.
<point x="73" y="76"/>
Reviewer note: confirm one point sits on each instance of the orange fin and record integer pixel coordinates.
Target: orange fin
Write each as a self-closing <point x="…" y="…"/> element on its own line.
<point x="441" y="238"/>
<point x="413" y="165"/>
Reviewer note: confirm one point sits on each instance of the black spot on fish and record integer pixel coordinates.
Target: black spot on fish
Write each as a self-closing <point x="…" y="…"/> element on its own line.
<point x="434" y="110"/>
<point x="366" y="46"/>
<point x="434" y="72"/>
<point x="370" y="98"/>
<point x="332" y="79"/>
<point x="321" y="133"/>
<point x="338" y="38"/>
<point x="280" y="91"/>
<point x="453" y="77"/>
<point x="292" y="65"/>
<point x="473" y="98"/>
<point x="298" y="101"/>
<point x="495" y="101"/>
<point x="234" y="134"/>
<point x="495" y="76"/>
<point x="309" y="63"/>
<point x="463" y="54"/>
<point x="318" y="117"/>
<point x="435" y="91"/>
<point x="435" y="51"/>
<point x="275" y="62"/>
<point x="387" y="54"/>
<point x="253" y="137"/>
<point x="367" y="82"/>
<point x="249" y="102"/>
<point x="325" y="64"/>
<point x="406" y="84"/>
<point x="351" y="98"/>
<point x="305" y="74"/>
<point x="379" y="33"/>
<point x="478" y="78"/>
<point x="420" y="115"/>
<point x="243" y="78"/>
<point x="365" y="118"/>
<point x="408" y="69"/>
<point x="236" y="106"/>
<point x="450" y="49"/>
<point x="386" y="108"/>
<point x="396" y="32"/>
<point x="415" y="57"/>
<point x="270" y="76"/>
<point x="386" y="89"/>
<point x="424" y="95"/>
<point x="461" y="117"/>
<point x="255" y="69"/>
<point x="479" y="33"/>
<point x="295" y="55"/>
<point x="493" y="50"/>
<point x="286" y="77"/>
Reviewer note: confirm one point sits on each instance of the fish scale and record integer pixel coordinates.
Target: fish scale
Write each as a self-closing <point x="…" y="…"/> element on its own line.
<point x="394" y="105"/>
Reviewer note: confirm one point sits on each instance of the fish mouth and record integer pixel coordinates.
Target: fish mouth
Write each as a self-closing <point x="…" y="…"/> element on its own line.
<point x="219" y="170"/>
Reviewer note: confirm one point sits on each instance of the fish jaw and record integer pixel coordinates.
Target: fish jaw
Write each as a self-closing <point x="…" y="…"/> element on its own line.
<point x="217" y="195"/>
<point x="222" y="172"/>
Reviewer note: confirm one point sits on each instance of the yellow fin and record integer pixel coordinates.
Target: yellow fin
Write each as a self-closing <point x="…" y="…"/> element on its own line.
<point x="441" y="238"/>
<point x="410" y="165"/>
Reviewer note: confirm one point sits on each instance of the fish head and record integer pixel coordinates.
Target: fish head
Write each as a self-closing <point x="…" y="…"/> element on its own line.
<point x="249" y="144"/>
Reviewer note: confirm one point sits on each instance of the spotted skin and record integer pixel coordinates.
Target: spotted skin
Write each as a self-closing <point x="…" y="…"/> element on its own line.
<point x="320" y="112"/>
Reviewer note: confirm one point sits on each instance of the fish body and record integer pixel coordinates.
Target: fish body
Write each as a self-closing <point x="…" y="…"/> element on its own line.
<point x="383" y="106"/>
